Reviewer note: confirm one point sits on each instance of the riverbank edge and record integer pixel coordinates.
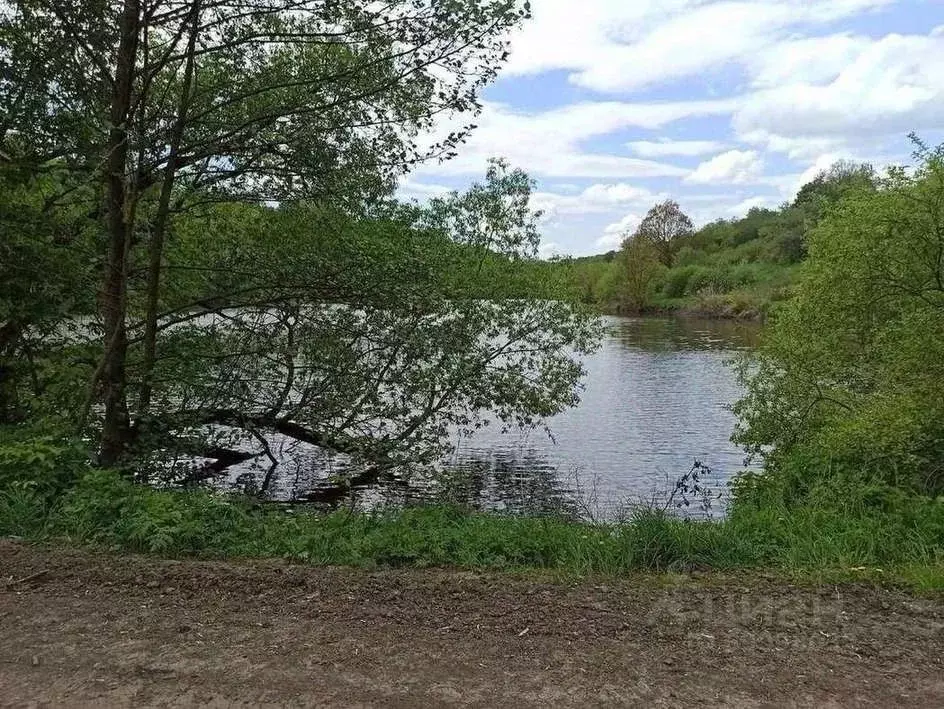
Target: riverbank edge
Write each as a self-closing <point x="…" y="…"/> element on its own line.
<point x="687" y="312"/>
<point x="741" y="578"/>
<point x="108" y="512"/>
<point x="913" y="580"/>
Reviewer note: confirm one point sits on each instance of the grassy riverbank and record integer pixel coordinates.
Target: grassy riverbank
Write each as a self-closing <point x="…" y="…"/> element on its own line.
<point x="858" y="539"/>
<point x="716" y="281"/>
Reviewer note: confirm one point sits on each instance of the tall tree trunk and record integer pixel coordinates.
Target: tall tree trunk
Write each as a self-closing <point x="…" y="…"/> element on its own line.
<point x="116" y="428"/>
<point x="10" y="332"/>
<point x="156" y="244"/>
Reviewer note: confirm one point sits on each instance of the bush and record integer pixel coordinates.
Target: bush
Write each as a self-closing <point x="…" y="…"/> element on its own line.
<point x="686" y="256"/>
<point x="676" y="281"/>
<point x="743" y="275"/>
<point x="735" y="306"/>
<point x="50" y="464"/>
<point x="830" y="517"/>
<point x="790" y="248"/>
<point x="751" y="252"/>
<point x="849" y="380"/>
<point x="710" y="280"/>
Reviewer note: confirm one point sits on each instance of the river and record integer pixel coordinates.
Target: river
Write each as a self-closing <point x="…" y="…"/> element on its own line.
<point x="656" y="398"/>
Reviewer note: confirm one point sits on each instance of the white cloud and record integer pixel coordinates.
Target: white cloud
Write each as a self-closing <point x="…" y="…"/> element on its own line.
<point x="795" y="148"/>
<point x="809" y="95"/>
<point x="551" y="143"/>
<point x="804" y="60"/>
<point x="610" y="241"/>
<point x="743" y="207"/>
<point x="821" y="164"/>
<point x="620" y="193"/>
<point x="421" y="191"/>
<point x="732" y="167"/>
<point x="566" y="187"/>
<point x="626" y="225"/>
<point x="595" y="199"/>
<point x="891" y="85"/>
<point x="666" y="147"/>
<point x="615" y="45"/>
<point x="687" y="44"/>
<point x="787" y="86"/>
<point x="615" y="233"/>
<point x="562" y="36"/>
<point x="549" y="250"/>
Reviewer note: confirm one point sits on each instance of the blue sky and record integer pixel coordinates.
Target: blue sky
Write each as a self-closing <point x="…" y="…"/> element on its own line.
<point x="614" y="105"/>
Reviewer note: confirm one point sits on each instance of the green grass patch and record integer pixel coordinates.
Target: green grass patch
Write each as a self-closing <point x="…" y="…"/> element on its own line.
<point x="106" y="510"/>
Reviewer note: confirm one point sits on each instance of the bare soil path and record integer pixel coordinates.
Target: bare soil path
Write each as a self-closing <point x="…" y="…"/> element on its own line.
<point x="80" y="629"/>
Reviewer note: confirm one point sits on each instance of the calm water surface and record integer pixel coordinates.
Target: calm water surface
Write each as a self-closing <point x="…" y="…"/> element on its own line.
<point x="657" y="397"/>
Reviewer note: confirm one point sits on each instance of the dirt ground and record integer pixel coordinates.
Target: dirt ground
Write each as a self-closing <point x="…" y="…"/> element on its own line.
<point x="80" y="629"/>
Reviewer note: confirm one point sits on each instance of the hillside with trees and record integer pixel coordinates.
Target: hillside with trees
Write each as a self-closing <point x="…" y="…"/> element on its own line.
<point x="737" y="268"/>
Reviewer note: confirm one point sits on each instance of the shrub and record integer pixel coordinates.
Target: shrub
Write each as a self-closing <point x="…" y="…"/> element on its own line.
<point x="49" y="463"/>
<point x="676" y="281"/>
<point x="743" y="275"/>
<point x="710" y="280"/>
<point x="790" y="248"/>
<point x="24" y="510"/>
<point x="685" y="256"/>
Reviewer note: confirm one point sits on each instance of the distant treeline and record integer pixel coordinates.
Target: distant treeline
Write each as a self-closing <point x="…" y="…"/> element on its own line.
<point x="737" y="268"/>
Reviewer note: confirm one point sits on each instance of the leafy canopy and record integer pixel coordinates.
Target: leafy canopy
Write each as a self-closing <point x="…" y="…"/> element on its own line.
<point x="850" y="379"/>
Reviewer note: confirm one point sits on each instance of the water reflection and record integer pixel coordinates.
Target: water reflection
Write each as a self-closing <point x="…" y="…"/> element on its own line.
<point x="683" y="334"/>
<point x="526" y="484"/>
<point x="656" y="398"/>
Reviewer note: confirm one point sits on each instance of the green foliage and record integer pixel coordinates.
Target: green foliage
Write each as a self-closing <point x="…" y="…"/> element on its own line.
<point x="686" y="256"/>
<point x="844" y="519"/>
<point x="676" y="281"/>
<point x="711" y="280"/>
<point x="849" y="383"/>
<point x="46" y="265"/>
<point x="417" y="319"/>
<point x="36" y="469"/>
<point x="850" y="527"/>
<point x="201" y="106"/>
<point x="641" y="266"/>
<point x="372" y="335"/>
<point x="45" y="463"/>
<point x="24" y="511"/>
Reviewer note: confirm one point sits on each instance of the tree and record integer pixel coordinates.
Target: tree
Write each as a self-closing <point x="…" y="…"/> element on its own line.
<point x="828" y="186"/>
<point x="46" y="271"/>
<point x="850" y="379"/>
<point x="663" y="226"/>
<point x="167" y="103"/>
<point x="640" y="264"/>
<point x="374" y="338"/>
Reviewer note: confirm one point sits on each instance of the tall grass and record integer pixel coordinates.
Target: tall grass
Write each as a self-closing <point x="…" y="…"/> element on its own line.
<point x="104" y="509"/>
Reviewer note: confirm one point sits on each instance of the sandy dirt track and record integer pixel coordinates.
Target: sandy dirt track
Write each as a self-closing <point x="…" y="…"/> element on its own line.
<point x="80" y="629"/>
